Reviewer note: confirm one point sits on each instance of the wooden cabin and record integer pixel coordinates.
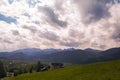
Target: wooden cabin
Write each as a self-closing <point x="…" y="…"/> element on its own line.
<point x="56" y="65"/>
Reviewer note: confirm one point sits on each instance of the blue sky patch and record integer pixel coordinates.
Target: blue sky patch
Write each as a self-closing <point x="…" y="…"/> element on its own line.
<point x="32" y="3"/>
<point x="27" y="15"/>
<point x="7" y="19"/>
<point x="36" y="22"/>
<point x="10" y="1"/>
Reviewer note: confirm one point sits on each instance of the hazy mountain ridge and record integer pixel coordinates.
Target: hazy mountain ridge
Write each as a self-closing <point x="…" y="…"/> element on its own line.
<point x="76" y="56"/>
<point x="35" y="51"/>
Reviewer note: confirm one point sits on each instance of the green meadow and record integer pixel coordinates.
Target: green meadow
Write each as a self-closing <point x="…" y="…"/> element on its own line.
<point x="95" y="71"/>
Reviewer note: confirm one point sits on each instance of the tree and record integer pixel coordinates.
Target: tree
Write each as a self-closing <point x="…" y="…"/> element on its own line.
<point x="39" y="66"/>
<point x="20" y="70"/>
<point x="31" y="69"/>
<point x="2" y="70"/>
<point x="24" y="70"/>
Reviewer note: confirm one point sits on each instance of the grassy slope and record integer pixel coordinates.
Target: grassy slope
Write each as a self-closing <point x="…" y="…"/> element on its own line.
<point x="96" y="71"/>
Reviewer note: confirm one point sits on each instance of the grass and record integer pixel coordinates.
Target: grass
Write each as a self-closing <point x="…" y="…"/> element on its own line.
<point x="96" y="71"/>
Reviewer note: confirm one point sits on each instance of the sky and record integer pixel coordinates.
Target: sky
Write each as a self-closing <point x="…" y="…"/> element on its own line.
<point x="59" y="24"/>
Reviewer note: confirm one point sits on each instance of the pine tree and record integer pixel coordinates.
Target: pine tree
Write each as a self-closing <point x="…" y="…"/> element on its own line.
<point x="2" y="70"/>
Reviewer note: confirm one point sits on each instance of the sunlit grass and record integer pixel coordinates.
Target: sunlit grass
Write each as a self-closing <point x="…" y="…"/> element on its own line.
<point x="96" y="71"/>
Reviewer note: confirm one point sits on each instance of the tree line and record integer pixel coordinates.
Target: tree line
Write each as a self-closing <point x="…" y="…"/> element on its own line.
<point x="17" y="70"/>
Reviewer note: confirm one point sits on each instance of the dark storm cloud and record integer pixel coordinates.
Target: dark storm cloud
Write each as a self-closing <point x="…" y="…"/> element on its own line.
<point x="93" y="10"/>
<point x="7" y="19"/>
<point x="53" y="16"/>
<point x="15" y="32"/>
<point x="49" y="36"/>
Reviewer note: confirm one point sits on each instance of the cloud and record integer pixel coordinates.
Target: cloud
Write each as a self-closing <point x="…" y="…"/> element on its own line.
<point x="69" y="44"/>
<point x="96" y="45"/>
<point x="76" y="33"/>
<point x="53" y="16"/>
<point x="93" y="10"/>
<point x="32" y="29"/>
<point x="46" y="43"/>
<point x="59" y="24"/>
<point x="7" y="41"/>
<point x="7" y="19"/>
<point x="49" y="36"/>
<point x="15" y="32"/>
<point x="116" y="34"/>
<point x="114" y="23"/>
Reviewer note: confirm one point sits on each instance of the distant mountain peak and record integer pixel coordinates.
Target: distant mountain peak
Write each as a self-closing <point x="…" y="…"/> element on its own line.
<point x="92" y="50"/>
<point x="69" y="49"/>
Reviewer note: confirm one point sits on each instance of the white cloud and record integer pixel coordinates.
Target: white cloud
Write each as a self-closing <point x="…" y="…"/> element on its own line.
<point x="76" y="34"/>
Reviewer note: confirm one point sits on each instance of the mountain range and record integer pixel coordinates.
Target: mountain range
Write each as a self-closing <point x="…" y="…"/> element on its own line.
<point x="74" y="56"/>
